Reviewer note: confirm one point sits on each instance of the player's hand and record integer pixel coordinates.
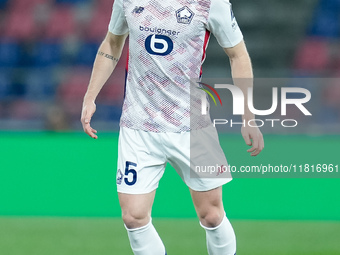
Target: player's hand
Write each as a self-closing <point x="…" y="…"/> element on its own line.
<point x="253" y="137"/>
<point x="89" y="109"/>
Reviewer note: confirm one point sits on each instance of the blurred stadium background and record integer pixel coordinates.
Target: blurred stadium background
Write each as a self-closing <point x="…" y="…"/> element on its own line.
<point x="57" y="187"/>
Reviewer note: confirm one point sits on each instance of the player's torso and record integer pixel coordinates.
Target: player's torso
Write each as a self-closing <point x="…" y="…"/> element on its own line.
<point x="167" y="30"/>
<point x="167" y="43"/>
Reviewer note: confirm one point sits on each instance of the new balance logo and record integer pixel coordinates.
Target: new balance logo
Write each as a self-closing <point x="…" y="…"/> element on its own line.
<point x="138" y="9"/>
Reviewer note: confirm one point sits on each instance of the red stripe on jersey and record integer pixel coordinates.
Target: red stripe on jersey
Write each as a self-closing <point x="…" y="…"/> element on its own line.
<point x="126" y="69"/>
<point x="127" y="60"/>
<point x="205" y="45"/>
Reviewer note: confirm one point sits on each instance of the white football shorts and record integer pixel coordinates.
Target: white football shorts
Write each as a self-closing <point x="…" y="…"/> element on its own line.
<point x="142" y="157"/>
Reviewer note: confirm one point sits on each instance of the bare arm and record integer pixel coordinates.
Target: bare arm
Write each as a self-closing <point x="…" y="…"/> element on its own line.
<point x="242" y="74"/>
<point x="106" y="60"/>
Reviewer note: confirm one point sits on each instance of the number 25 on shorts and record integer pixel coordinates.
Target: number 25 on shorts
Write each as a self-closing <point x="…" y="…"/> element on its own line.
<point x="130" y="173"/>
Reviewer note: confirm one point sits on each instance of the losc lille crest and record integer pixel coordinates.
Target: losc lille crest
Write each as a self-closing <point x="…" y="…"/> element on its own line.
<point x="184" y="15"/>
<point x="119" y="177"/>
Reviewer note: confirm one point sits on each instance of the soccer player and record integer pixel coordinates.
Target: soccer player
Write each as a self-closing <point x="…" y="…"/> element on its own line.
<point x="167" y="42"/>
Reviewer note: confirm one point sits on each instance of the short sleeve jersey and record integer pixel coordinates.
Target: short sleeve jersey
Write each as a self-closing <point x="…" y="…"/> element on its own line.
<point x="167" y="43"/>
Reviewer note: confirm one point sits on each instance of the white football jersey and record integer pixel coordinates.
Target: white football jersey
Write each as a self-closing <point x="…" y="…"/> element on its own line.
<point x="167" y="42"/>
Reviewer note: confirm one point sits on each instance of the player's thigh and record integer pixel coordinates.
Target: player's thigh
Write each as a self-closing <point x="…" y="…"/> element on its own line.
<point x="209" y="206"/>
<point x="136" y="208"/>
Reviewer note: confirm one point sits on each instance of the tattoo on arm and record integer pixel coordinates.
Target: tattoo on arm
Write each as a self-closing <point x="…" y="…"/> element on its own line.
<point x="100" y="53"/>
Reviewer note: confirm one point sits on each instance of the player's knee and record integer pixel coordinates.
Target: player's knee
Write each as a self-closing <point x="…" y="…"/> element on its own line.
<point x="211" y="218"/>
<point x="135" y="220"/>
